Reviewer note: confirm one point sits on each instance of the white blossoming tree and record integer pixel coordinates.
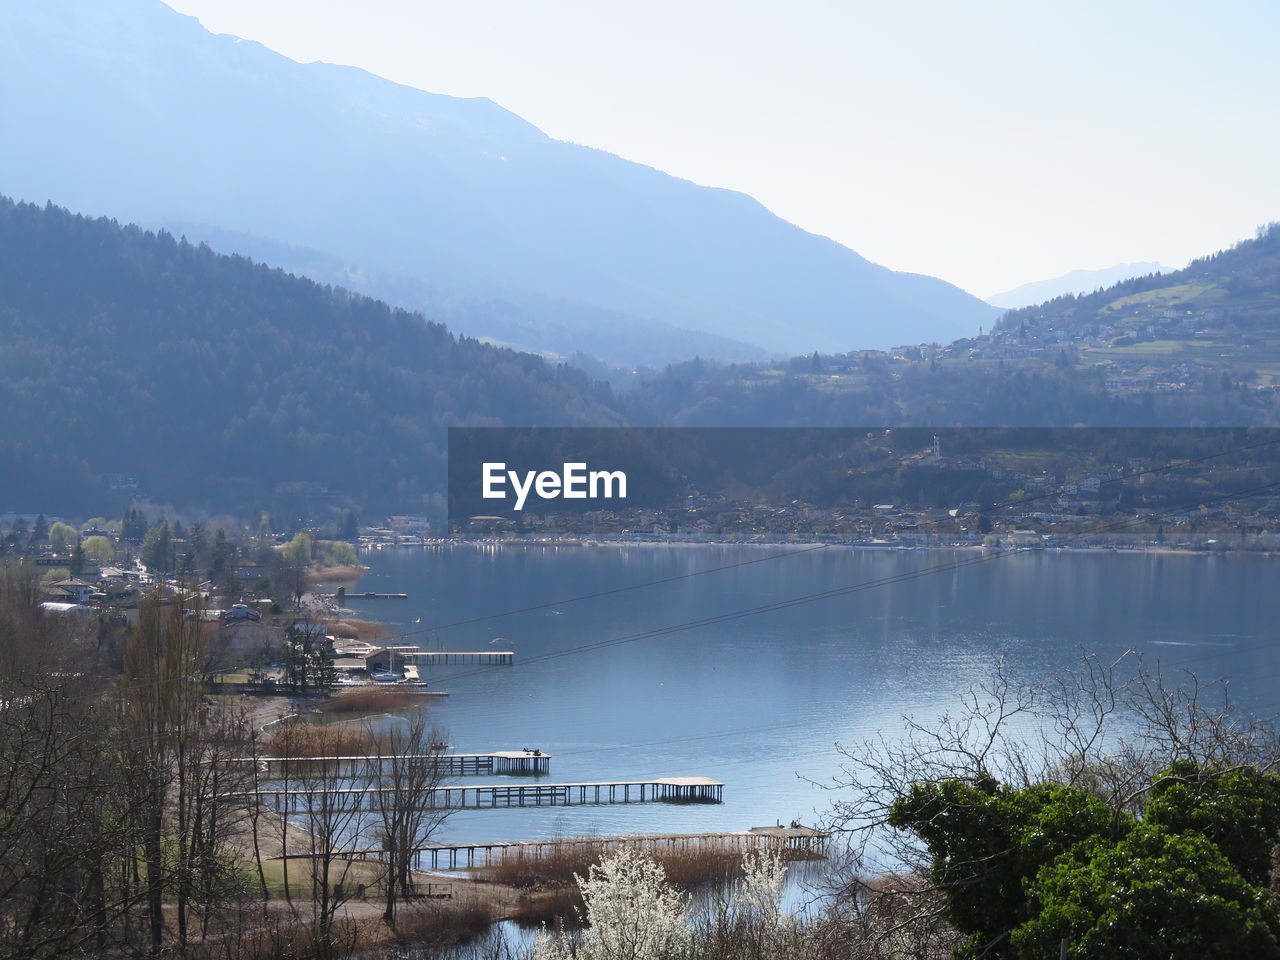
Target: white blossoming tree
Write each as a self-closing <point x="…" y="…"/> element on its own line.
<point x="759" y="894"/>
<point x="634" y="914"/>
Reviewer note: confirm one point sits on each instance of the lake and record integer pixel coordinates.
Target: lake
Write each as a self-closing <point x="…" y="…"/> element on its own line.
<point x="760" y="702"/>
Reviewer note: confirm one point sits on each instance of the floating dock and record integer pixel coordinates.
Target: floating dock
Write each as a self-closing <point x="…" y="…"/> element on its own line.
<point x="487" y="796"/>
<point x="797" y="839"/>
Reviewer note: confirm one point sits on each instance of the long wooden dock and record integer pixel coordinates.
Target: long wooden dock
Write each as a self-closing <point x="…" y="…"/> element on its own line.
<point x="501" y="762"/>
<point x="792" y="840"/>
<point x="487" y="796"/>
<point x="498" y="658"/>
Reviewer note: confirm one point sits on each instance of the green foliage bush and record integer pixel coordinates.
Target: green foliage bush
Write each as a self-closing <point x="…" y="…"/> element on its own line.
<point x="1024" y="869"/>
<point x="99" y="548"/>
<point x="1237" y="809"/>
<point x="987" y="840"/>
<point x="1151" y="896"/>
<point x="335" y="553"/>
<point x="62" y="536"/>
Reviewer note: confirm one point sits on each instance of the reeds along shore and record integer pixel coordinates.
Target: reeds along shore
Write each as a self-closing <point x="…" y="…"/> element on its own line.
<point x="561" y="865"/>
<point x="299" y="739"/>
<point x="549" y="877"/>
<point x="430" y="930"/>
<point x="369" y="699"/>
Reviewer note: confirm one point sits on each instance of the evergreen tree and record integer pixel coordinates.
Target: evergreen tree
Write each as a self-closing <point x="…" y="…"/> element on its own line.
<point x="133" y="527"/>
<point x="77" y="560"/>
<point x="157" y="548"/>
<point x="199" y="541"/>
<point x="348" y="525"/>
<point x="39" y="533"/>
<point x="308" y="657"/>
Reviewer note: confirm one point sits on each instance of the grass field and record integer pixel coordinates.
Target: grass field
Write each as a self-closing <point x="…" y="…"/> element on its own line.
<point x="1202" y="293"/>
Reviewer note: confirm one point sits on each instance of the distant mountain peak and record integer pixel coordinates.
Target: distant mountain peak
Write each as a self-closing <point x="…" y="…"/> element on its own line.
<point x="135" y="111"/>
<point x="1077" y="282"/>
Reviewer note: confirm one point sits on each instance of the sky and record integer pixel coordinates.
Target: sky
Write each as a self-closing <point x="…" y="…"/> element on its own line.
<point x="989" y="143"/>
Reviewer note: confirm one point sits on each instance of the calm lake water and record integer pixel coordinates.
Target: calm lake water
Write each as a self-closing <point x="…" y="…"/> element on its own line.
<point x="760" y="702"/>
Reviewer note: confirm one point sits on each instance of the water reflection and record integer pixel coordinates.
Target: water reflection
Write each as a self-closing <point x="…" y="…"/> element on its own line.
<point x="760" y="702"/>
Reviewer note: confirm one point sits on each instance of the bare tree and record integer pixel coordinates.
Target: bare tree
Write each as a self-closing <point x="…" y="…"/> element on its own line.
<point x="408" y="766"/>
<point x="317" y="795"/>
<point x="218" y="804"/>
<point x="62" y="823"/>
<point x="161" y="694"/>
<point x="59" y="825"/>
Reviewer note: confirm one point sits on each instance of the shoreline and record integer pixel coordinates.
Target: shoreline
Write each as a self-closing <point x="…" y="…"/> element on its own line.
<point x="815" y="545"/>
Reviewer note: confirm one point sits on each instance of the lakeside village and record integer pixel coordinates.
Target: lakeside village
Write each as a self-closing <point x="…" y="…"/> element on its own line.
<point x="929" y="499"/>
<point x="270" y="626"/>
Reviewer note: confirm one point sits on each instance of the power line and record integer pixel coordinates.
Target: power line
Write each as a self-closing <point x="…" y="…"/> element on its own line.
<point x="604" y="593"/>
<point x="985" y="557"/>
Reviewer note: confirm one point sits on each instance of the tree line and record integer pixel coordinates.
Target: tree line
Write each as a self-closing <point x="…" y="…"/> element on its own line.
<point x="133" y="821"/>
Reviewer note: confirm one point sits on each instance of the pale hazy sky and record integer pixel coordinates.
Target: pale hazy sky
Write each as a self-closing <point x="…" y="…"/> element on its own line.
<point x="989" y="143"/>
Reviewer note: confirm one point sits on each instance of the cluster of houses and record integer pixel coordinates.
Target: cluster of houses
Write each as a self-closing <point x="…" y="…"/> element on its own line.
<point x="1047" y="338"/>
<point x="1028" y="510"/>
<point x="72" y="595"/>
<point x="357" y="662"/>
<point x="109" y="588"/>
<point x="1057" y="520"/>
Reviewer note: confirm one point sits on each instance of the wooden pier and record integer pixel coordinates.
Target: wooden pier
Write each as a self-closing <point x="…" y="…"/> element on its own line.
<point x="489" y="796"/>
<point x="497" y="658"/>
<point x="502" y="762"/>
<point x="806" y="841"/>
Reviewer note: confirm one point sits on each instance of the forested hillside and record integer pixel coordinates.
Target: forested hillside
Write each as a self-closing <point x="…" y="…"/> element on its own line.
<point x="214" y="381"/>
<point x="958" y="386"/>
<point x="136" y="364"/>
<point x="1238" y="288"/>
<point x="1197" y="347"/>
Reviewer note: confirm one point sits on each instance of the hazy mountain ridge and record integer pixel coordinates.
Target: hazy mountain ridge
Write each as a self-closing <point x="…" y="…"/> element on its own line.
<point x="159" y="120"/>
<point x="554" y="328"/>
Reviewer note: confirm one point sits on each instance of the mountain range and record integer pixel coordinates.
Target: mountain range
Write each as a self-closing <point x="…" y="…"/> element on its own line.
<point x="129" y="109"/>
<point x="138" y="364"/>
